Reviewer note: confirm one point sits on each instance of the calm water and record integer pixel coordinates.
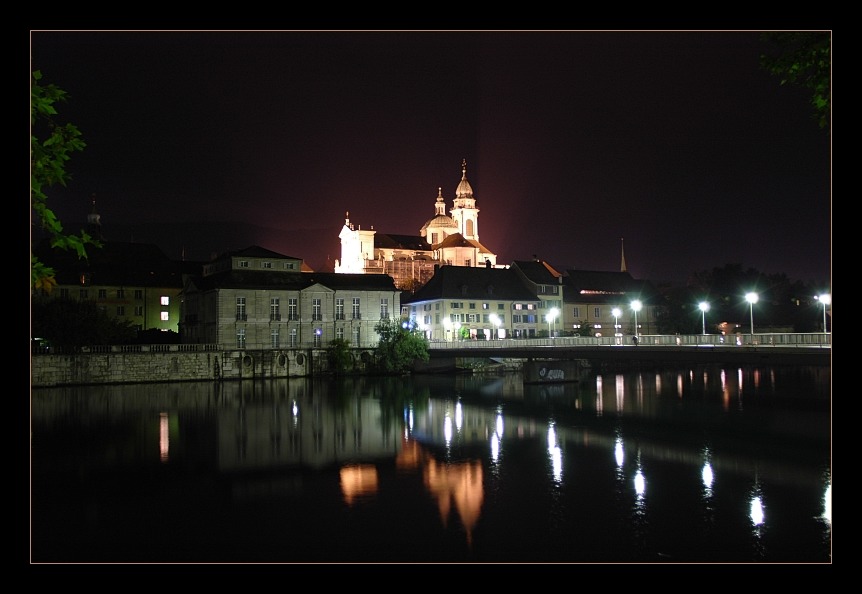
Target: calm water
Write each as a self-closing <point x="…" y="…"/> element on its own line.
<point x="686" y="465"/>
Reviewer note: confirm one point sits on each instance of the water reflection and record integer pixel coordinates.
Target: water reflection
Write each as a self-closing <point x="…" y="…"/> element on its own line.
<point x="621" y="467"/>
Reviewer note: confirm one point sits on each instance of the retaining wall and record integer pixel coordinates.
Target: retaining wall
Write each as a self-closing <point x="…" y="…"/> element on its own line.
<point x="48" y="370"/>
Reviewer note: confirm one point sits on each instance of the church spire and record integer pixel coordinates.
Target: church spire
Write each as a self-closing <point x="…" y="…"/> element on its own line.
<point x="440" y="204"/>
<point x="623" y="252"/>
<point x="94" y="222"/>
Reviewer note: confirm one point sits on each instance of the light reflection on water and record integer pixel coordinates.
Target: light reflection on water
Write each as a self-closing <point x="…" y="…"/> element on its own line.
<point x="706" y="465"/>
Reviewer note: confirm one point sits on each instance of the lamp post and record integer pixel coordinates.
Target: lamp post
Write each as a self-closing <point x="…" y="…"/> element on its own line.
<point x="551" y="316"/>
<point x="752" y="299"/>
<point x="616" y="312"/>
<point x="704" y="307"/>
<point x="495" y="319"/>
<point x="636" y="307"/>
<point x="825" y="299"/>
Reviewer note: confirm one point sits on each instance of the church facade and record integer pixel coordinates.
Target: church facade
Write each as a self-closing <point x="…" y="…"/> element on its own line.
<point x="445" y="239"/>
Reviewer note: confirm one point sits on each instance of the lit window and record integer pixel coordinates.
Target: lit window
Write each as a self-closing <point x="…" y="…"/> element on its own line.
<point x="165" y="300"/>
<point x="165" y="316"/>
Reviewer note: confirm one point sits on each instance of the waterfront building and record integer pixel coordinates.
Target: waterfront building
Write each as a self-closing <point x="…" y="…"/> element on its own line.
<point x="255" y="298"/>
<point x="460" y="303"/>
<point x="131" y="282"/>
<point x="547" y="283"/>
<point x="451" y="239"/>
<point x="584" y="300"/>
<point x="590" y="297"/>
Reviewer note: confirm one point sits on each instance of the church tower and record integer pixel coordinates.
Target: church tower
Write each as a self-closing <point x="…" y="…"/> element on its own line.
<point x="623" y="253"/>
<point x="441" y="226"/>
<point x="464" y="211"/>
<point x="94" y="222"/>
<point x="357" y="246"/>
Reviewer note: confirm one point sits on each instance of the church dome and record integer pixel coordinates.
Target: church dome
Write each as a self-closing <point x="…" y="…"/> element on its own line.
<point x="440" y="219"/>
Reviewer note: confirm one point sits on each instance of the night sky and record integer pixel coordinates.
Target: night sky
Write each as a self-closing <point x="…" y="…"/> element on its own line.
<point x="678" y="142"/>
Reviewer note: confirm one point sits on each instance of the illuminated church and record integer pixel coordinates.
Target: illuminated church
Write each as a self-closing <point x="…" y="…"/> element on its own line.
<point x="451" y="239"/>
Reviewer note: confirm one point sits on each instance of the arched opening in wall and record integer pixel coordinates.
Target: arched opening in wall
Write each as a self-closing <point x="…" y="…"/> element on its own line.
<point x="282" y="360"/>
<point x="365" y="356"/>
<point x="300" y="359"/>
<point x="247" y="361"/>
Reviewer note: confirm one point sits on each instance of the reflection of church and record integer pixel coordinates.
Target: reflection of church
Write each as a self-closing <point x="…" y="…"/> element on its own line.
<point x="410" y="259"/>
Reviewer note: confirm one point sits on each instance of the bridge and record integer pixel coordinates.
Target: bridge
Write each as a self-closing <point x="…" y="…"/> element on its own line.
<point x="778" y="348"/>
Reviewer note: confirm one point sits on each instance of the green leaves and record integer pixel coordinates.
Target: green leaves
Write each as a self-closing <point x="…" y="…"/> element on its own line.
<point x="399" y="346"/>
<point x="51" y="147"/>
<point x="804" y="59"/>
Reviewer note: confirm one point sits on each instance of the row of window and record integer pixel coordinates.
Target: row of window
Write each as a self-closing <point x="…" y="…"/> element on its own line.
<point x="293" y="337"/>
<point x="472" y="305"/>
<point x="84" y="293"/>
<point x="501" y="318"/>
<point x="316" y="309"/>
<point x="470" y="318"/>
<point x="139" y="312"/>
<point x="268" y="265"/>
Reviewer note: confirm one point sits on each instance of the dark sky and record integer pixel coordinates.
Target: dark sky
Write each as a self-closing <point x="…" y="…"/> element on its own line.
<point x="678" y="142"/>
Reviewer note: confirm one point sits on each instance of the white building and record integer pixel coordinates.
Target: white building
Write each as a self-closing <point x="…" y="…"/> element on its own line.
<point x="451" y="239"/>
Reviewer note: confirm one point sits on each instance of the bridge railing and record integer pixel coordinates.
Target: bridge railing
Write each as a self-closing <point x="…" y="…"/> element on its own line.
<point x="808" y="339"/>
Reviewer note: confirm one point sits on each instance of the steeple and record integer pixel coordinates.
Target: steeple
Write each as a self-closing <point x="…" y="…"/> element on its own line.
<point x="623" y="252"/>
<point x="440" y="205"/>
<point x="464" y="210"/>
<point x="94" y="222"/>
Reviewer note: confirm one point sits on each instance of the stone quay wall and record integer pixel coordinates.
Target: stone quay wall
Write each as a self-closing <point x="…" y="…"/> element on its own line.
<point x="169" y="364"/>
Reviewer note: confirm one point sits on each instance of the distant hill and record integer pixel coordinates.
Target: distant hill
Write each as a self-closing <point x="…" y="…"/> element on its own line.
<point x="202" y="240"/>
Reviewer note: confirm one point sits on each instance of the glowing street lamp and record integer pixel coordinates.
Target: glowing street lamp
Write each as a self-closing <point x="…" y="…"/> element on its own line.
<point x="704" y="307"/>
<point x="636" y="307"/>
<point x="616" y="312"/>
<point x="495" y="319"/>
<point x="825" y="299"/>
<point x="752" y="299"/>
<point x="551" y="316"/>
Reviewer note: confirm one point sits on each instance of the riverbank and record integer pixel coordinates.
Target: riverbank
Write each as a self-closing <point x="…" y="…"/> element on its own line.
<point x="155" y="365"/>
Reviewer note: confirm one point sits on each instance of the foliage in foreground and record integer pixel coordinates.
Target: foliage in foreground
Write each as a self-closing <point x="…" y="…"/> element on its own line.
<point x="340" y="357"/>
<point x="400" y="344"/>
<point x="51" y="145"/>
<point x="803" y="58"/>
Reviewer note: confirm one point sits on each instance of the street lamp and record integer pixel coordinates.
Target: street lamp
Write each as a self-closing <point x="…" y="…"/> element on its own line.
<point x="551" y="316"/>
<point x="704" y="307"/>
<point x="636" y="307"/>
<point x="752" y="299"/>
<point x="495" y="319"/>
<point x="825" y="299"/>
<point x="616" y="312"/>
